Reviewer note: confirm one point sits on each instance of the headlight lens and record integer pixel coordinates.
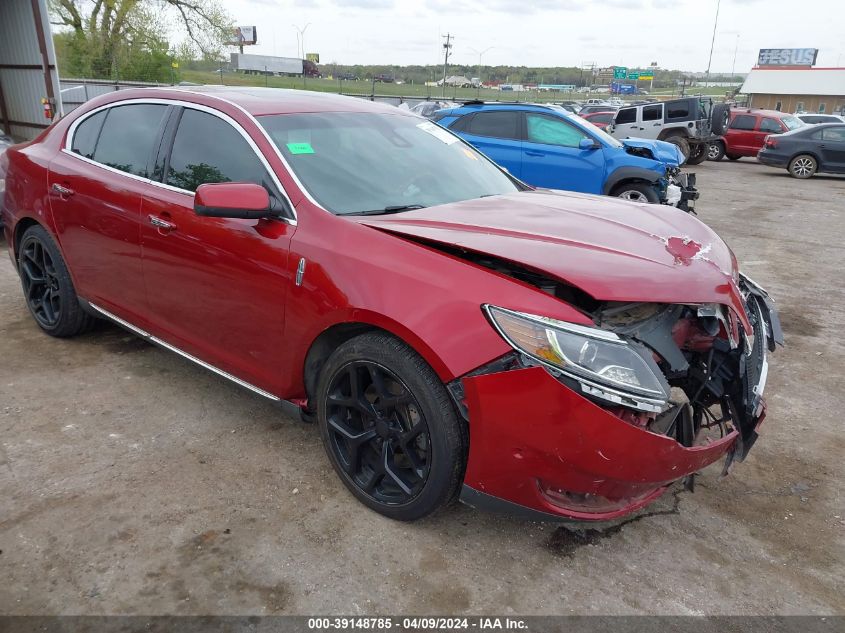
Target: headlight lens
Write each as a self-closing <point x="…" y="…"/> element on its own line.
<point x="595" y="357"/>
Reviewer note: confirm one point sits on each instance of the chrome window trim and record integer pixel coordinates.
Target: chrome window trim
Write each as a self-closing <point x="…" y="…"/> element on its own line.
<point x="154" y="339"/>
<point x="68" y="144"/>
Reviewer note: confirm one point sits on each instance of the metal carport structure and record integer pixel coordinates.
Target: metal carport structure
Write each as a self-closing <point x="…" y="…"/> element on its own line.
<point x="28" y="70"/>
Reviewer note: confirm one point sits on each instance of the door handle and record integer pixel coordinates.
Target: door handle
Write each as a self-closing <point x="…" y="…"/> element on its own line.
<point x="63" y="192"/>
<point x="530" y="153"/>
<point x="162" y="224"/>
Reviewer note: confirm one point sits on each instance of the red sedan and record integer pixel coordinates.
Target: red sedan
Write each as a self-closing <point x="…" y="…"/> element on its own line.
<point x="452" y="332"/>
<point x="599" y="119"/>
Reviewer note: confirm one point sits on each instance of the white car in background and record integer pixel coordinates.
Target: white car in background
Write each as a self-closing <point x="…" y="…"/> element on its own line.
<point x="814" y="119"/>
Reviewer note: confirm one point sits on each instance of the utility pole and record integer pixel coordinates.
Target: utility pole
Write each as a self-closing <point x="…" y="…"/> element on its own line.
<point x="712" y="42"/>
<point x="447" y="48"/>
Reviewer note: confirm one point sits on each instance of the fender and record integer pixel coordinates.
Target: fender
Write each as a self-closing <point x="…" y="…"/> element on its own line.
<point x="629" y="173"/>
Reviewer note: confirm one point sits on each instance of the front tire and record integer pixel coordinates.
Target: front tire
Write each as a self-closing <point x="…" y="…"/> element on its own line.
<point x="803" y="166"/>
<point x="682" y="143"/>
<point x="698" y="153"/>
<point x="48" y="288"/>
<point x="389" y="427"/>
<point x="716" y="151"/>
<point x="636" y="192"/>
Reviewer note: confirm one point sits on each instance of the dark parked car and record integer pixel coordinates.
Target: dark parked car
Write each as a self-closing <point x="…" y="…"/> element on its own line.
<point x="808" y="150"/>
<point x="346" y="76"/>
<point x="450" y="331"/>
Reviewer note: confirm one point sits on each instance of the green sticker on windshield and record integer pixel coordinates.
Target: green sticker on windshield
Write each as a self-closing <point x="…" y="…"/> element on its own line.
<point x="300" y="148"/>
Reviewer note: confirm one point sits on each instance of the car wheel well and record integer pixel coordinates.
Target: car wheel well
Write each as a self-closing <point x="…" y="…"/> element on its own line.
<point x="672" y="132"/>
<point x="323" y="346"/>
<point x="21" y="228"/>
<point x="807" y="153"/>
<point x="628" y="181"/>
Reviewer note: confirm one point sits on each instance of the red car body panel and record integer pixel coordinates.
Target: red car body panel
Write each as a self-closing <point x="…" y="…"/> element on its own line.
<point x="518" y="446"/>
<point x="223" y="291"/>
<point x="599" y="119"/>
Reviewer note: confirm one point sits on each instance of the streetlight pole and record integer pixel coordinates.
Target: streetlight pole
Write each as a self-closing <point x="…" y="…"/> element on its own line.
<point x="447" y="47"/>
<point x="301" y="42"/>
<point x="480" y="55"/>
<point x="713" y="41"/>
<point x="733" y="67"/>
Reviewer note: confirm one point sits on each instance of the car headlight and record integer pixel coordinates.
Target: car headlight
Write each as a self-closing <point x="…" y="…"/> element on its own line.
<point x="606" y="365"/>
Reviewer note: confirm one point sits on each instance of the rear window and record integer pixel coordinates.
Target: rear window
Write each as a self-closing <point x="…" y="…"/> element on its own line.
<point x="743" y="122"/>
<point x="87" y="132"/>
<point x="792" y="122"/>
<point x="498" y="124"/>
<point x="126" y="140"/>
<point x="677" y="110"/>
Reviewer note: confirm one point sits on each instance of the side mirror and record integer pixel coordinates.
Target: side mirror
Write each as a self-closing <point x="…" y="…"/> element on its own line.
<point x="588" y="143"/>
<point x="243" y="200"/>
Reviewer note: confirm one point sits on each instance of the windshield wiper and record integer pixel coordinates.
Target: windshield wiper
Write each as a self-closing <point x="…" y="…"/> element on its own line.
<point x="399" y="208"/>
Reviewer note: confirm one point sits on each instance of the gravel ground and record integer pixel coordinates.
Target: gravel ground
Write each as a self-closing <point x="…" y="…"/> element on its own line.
<point x="133" y="482"/>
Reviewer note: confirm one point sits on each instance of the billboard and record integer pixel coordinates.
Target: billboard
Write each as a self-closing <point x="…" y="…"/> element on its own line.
<point x="787" y="57"/>
<point x="243" y="36"/>
<point x="313" y="57"/>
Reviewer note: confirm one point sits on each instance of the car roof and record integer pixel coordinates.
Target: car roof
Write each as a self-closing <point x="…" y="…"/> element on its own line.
<point x="760" y="112"/>
<point x="258" y="101"/>
<point x="477" y="106"/>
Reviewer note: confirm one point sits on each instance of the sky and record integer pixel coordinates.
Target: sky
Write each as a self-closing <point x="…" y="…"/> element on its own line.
<point x="674" y="33"/>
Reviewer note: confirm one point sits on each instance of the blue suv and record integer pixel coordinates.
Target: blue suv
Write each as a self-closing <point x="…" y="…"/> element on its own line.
<point x="546" y="146"/>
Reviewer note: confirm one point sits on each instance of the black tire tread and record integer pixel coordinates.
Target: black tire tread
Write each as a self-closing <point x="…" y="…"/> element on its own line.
<point x="74" y="320"/>
<point x="390" y="351"/>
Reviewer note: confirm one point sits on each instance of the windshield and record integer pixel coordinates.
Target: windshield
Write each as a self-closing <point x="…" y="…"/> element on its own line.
<point x="353" y="162"/>
<point x="792" y="122"/>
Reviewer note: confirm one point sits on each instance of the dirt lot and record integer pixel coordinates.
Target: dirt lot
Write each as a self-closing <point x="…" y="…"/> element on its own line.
<point x="134" y="482"/>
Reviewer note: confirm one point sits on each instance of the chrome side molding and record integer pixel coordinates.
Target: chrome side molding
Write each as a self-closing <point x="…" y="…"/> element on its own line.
<point x="157" y="341"/>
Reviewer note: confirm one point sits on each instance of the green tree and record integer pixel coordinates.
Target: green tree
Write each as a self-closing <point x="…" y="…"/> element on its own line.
<point x="125" y="38"/>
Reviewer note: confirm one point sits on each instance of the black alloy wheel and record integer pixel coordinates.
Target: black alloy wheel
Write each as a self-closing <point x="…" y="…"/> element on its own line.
<point x="378" y="433"/>
<point x="390" y="428"/>
<point x="40" y="284"/>
<point x="47" y="286"/>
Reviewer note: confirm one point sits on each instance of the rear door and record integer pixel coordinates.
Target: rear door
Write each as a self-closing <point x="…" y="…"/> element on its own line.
<point x="832" y="148"/>
<point x="96" y="186"/>
<point x="766" y="127"/>
<point x="741" y="135"/>
<point x="552" y="157"/>
<point x="497" y="134"/>
<point x="216" y="286"/>
<point x="651" y="123"/>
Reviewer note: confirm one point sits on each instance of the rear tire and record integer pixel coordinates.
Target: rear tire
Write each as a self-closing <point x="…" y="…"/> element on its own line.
<point x="698" y="153"/>
<point x="636" y="192"/>
<point x="716" y="151"/>
<point x="682" y="143"/>
<point x="389" y="427"/>
<point x="48" y="288"/>
<point x="803" y="166"/>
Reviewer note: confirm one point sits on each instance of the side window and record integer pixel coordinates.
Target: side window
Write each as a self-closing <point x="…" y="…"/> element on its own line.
<point x="626" y="115"/>
<point x="771" y="126"/>
<point x="208" y="149"/>
<point x="498" y="124"/>
<point x="653" y="112"/>
<point x="461" y="124"/>
<point x="677" y="110"/>
<point x="552" y="131"/>
<point x="811" y="119"/>
<point x="127" y="137"/>
<point x="86" y="134"/>
<point x="743" y="122"/>
<point x="834" y="134"/>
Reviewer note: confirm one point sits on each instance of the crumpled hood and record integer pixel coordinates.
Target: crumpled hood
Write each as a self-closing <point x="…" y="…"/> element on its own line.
<point x="612" y="249"/>
<point x="661" y="150"/>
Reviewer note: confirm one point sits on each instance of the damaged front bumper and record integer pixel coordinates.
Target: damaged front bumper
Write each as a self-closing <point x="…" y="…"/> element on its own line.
<point x="680" y="190"/>
<point x="541" y="446"/>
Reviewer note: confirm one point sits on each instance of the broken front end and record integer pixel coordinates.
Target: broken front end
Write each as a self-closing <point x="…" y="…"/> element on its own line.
<point x="591" y="423"/>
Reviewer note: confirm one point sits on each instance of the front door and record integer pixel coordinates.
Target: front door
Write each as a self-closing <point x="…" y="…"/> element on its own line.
<point x="626" y="123"/>
<point x="832" y="149"/>
<point x="216" y="286"/>
<point x="552" y="157"/>
<point x="96" y="188"/>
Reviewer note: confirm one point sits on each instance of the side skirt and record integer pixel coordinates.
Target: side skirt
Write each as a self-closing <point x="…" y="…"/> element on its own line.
<point x="157" y="341"/>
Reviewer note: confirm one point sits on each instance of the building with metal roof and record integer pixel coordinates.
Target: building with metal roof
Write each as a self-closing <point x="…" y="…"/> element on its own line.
<point x="796" y="89"/>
